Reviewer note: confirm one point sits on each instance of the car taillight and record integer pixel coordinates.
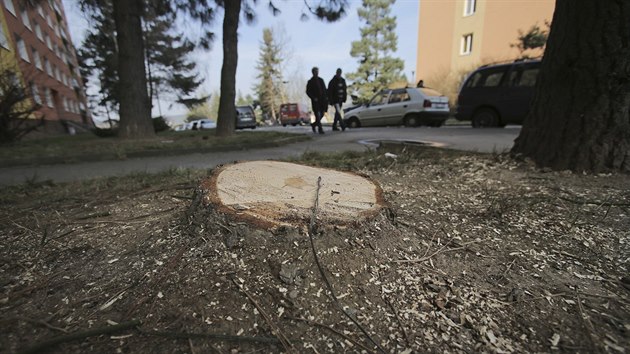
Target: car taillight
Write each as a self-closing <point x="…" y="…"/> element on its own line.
<point x="426" y="104"/>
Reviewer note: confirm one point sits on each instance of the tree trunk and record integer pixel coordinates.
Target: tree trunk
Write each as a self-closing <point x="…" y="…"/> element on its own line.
<point x="135" y="110"/>
<point x="226" y="122"/>
<point x="580" y="115"/>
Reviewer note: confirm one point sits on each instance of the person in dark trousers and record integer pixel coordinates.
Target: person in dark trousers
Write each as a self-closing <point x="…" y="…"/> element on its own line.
<point x="316" y="91"/>
<point x="337" y="96"/>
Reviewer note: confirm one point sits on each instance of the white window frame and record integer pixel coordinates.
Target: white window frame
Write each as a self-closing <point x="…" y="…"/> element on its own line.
<point x="466" y="44"/>
<point x="49" y="100"/>
<point x="470" y="7"/>
<point x="35" y="93"/>
<point x="25" y="19"/>
<point x="36" y="59"/>
<point x="56" y="72"/>
<point x="48" y="41"/>
<point x="38" y="31"/>
<point x="10" y="7"/>
<point x="21" y="48"/>
<point x="47" y="66"/>
<point x="4" y="40"/>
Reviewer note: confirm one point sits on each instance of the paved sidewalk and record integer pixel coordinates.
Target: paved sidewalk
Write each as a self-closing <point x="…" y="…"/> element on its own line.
<point x="484" y="140"/>
<point x="88" y="170"/>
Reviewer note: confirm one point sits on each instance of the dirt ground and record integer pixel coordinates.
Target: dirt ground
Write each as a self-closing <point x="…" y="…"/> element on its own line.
<point x="475" y="253"/>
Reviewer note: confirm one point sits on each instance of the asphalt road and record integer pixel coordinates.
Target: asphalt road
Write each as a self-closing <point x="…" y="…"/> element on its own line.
<point x="456" y="137"/>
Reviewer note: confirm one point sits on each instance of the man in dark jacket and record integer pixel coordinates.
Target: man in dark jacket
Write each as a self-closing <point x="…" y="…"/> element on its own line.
<point x="316" y="91"/>
<point x="337" y="96"/>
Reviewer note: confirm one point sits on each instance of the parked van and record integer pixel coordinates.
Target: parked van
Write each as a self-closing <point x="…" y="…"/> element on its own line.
<point x="245" y="117"/>
<point x="496" y="95"/>
<point x="294" y="114"/>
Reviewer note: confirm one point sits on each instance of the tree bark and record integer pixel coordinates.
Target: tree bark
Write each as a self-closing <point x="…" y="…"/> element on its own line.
<point x="226" y="121"/>
<point x="135" y="109"/>
<point x="580" y="116"/>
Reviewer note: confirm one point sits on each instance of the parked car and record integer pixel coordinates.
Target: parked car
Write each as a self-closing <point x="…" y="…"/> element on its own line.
<point x="206" y="124"/>
<point x="496" y="95"/>
<point x="410" y="106"/>
<point x="245" y="117"/>
<point x="294" y="114"/>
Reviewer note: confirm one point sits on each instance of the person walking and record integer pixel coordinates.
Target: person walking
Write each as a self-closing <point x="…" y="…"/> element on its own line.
<point x="337" y="95"/>
<point x="316" y="91"/>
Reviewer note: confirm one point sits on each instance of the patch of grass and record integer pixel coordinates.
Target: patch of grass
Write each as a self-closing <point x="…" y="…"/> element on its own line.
<point x="88" y="147"/>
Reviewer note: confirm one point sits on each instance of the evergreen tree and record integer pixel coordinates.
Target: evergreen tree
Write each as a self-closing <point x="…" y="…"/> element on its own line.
<point x="168" y="71"/>
<point x="269" y="88"/>
<point x="377" y="68"/>
<point x="534" y="39"/>
<point x="134" y="114"/>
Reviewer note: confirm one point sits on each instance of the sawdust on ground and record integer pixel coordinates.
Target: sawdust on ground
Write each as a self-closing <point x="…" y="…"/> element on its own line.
<point x="475" y="253"/>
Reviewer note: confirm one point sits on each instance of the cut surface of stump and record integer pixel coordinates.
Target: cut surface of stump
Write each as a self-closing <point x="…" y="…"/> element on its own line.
<point x="274" y="193"/>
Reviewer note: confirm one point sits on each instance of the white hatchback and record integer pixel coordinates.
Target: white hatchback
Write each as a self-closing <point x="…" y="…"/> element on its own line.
<point x="410" y="106"/>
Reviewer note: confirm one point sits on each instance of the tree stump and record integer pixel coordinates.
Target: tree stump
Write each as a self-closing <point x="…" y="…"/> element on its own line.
<point x="273" y="193"/>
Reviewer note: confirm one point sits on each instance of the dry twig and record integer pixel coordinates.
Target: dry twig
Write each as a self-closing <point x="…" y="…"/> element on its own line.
<point x="311" y="232"/>
<point x="332" y="330"/>
<point x="47" y="344"/>
<point x="274" y="328"/>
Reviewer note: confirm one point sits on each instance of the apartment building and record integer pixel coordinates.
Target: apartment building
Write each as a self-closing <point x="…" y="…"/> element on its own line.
<point x="458" y="35"/>
<point x="34" y="39"/>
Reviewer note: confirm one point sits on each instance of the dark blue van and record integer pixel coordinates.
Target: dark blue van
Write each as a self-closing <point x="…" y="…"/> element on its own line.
<point x="496" y="95"/>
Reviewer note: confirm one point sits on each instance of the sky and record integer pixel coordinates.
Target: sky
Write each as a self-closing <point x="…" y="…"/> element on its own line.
<point x="308" y="43"/>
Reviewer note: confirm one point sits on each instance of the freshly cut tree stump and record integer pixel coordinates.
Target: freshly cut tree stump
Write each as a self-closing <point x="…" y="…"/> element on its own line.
<point x="273" y="193"/>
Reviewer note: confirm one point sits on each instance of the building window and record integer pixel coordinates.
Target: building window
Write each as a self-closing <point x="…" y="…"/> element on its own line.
<point x="466" y="45"/>
<point x="21" y="48"/>
<point x="35" y="93"/>
<point x="38" y="32"/>
<point x="56" y="71"/>
<point x="40" y="11"/>
<point x="3" y="39"/>
<point x="49" y="100"/>
<point x="49" y="21"/>
<point x="9" y="5"/>
<point x="48" y="42"/>
<point x="25" y="19"/>
<point x="47" y="66"/>
<point x="469" y="7"/>
<point x="36" y="59"/>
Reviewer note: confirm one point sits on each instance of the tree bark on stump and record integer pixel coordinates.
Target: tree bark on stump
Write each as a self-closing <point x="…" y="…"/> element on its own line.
<point x="580" y="116"/>
<point x="226" y="121"/>
<point x="135" y="109"/>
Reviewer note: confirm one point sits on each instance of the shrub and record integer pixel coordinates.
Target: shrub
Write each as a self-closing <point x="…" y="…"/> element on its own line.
<point x="16" y="109"/>
<point x="105" y="132"/>
<point x="160" y="125"/>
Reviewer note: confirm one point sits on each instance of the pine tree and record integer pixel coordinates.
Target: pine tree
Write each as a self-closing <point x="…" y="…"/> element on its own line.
<point x="134" y="112"/>
<point x="269" y="88"/>
<point x="168" y="71"/>
<point x="377" y="68"/>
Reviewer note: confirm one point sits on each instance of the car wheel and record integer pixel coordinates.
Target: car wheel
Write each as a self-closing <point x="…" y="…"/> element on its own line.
<point x="437" y="124"/>
<point x="294" y="124"/>
<point x="284" y="125"/>
<point x="412" y="120"/>
<point x="485" y="118"/>
<point x="354" y="122"/>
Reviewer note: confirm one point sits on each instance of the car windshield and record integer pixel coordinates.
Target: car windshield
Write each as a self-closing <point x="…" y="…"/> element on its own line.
<point x="379" y="99"/>
<point x="288" y="107"/>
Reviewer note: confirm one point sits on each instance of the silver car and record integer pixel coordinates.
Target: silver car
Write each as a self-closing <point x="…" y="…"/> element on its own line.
<point x="410" y="106"/>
